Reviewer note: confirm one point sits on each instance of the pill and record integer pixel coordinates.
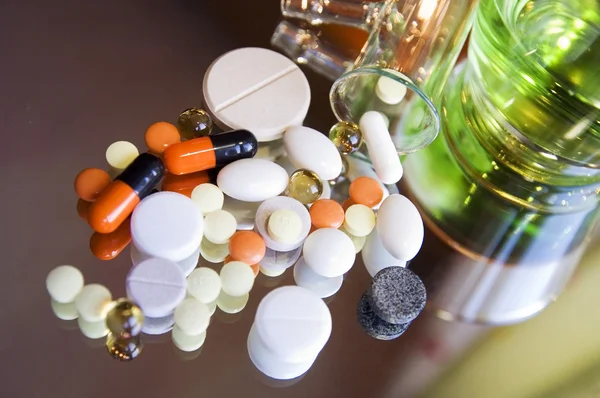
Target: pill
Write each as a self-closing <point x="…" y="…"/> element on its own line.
<point x="309" y="149"/>
<point x="185" y="342"/>
<point x="272" y="271"/>
<point x="255" y="267"/>
<point x="212" y="307"/>
<point x="93" y="302"/>
<point x="376" y="257"/>
<point x="346" y="137"/>
<point x="204" y="284"/>
<point x="329" y="252"/>
<point x="157" y="286"/>
<point x="187" y="265"/>
<point x="83" y="209"/>
<point x="64" y="283"/>
<point x="358" y="241"/>
<point x="267" y="208"/>
<point x="118" y="200"/>
<point x="161" y="135"/>
<point x="382" y="151"/>
<point x="244" y="212"/>
<point x="326" y="213"/>
<point x="366" y="191"/>
<point x="252" y="180"/>
<point x="219" y="226"/>
<point x="206" y="153"/>
<point x="158" y="326"/>
<point x="121" y="154"/>
<point x="90" y="182"/>
<point x="284" y="226"/>
<point x="320" y="285"/>
<point x="391" y="91"/>
<point x="358" y="168"/>
<point x="277" y="259"/>
<point x="359" y="220"/>
<point x="208" y="197"/>
<point x="256" y="89"/>
<point x="123" y="348"/>
<point x="397" y="295"/>
<point x="167" y="225"/>
<point x="64" y="311"/>
<point x="376" y="327"/>
<point x="213" y="253"/>
<point x="185" y="184"/>
<point x="305" y="186"/>
<point x="194" y="123"/>
<point x="192" y="316"/>
<point x="400" y="227"/>
<point x="237" y="278"/>
<point x="109" y="246"/>
<point x="92" y="330"/>
<point x="346" y="204"/>
<point x="232" y="304"/>
<point x="247" y="246"/>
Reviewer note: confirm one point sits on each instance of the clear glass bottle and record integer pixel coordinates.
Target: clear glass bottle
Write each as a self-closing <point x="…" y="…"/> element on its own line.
<point x="509" y="190"/>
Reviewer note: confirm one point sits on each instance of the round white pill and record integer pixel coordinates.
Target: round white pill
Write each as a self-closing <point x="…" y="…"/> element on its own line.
<point x="382" y="150"/>
<point x="270" y="206"/>
<point x="389" y="90"/>
<point x="252" y="180"/>
<point x="237" y="278"/>
<point x="92" y="330"/>
<point x="212" y="307"/>
<point x="284" y="226"/>
<point x="359" y="241"/>
<point x="293" y="323"/>
<point x="64" y="283"/>
<point x="157" y="286"/>
<point x="376" y="257"/>
<point x="309" y="149"/>
<point x="120" y="154"/>
<point x="167" y="225"/>
<point x="213" y="253"/>
<point x="400" y="227"/>
<point x="192" y="316"/>
<point x="204" y="284"/>
<point x="64" y="311"/>
<point x="93" y="302"/>
<point x="244" y="212"/>
<point x="359" y="220"/>
<point x="329" y="252"/>
<point x="232" y="304"/>
<point x="320" y="285"/>
<point x="256" y="89"/>
<point x="219" y="226"/>
<point x="187" y="265"/>
<point x="157" y="326"/>
<point x="185" y="342"/>
<point x="208" y="197"/>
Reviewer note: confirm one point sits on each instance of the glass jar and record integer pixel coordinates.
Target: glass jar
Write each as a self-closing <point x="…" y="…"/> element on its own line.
<point x="509" y="190"/>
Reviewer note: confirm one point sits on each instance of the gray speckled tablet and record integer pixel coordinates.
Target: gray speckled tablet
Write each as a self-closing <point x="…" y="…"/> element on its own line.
<point x="281" y="202"/>
<point x="397" y="295"/>
<point x="376" y="327"/>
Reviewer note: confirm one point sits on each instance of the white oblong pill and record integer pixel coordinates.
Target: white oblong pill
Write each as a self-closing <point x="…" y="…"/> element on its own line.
<point x="267" y="208"/>
<point x="400" y="227"/>
<point x="359" y="220"/>
<point x="237" y="278"/>
<point x="186" y="342"/>
<point x="208" y="197"/>
<point x="359" y="241"/>
<point x="320" y="285"/>
<point x="232" y="304"/>
<point x="219" y="226"/>
<point x="64" y="311"/>
<point x="389" y="90"/>
<point x="64" y="283"/>
<point x="92" y="330"/>
<point x="120" y="154"/>
<point x="93" y="302"/>
<point x="192" y="316"/>
<point x="382" y="150"/>
<point x="167" y="225"/>
<point x="376" y="257"/>
<point x="284" y="225"/>
<point x="214" y="253"/>
<point x="252" y="180"/>
<point x="309" y="149"/>
<point x="329" y="252"/>
<point x="204" y="284"/>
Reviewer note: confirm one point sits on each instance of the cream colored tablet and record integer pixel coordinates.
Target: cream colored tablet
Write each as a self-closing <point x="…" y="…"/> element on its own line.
<point x="389" y="90"/>
<point x="64" y="311"/>
<point x="213" y="253"/>
<point x="359" y="241"/>
<point x="204" y="284"/>
<point x="192" y="316"/>
<point x="284" y="226"/>
<point x="219" y="226"/>
<point x="186" y="342"/>
<point x="237" y="278"/>
<point x="92" y="330"/>
<point x="272" y="272"/>
<point x="120" y="154"/>
<point x="93" y="302"/>
<point x="231" y="304"/>
<point x="208" y="197"/>
<point x="359" y="220"/>
<point x="64" y="283"/>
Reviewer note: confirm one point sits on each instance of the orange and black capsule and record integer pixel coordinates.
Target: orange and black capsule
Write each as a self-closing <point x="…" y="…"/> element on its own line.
<point x="185" y="184"/>
<point x="206" y="153"/>
<point x="118" y="200"/>
<point x="109" y="246"/>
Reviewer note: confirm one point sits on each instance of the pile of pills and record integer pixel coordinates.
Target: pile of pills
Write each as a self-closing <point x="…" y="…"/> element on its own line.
<point x="196" y="193"/>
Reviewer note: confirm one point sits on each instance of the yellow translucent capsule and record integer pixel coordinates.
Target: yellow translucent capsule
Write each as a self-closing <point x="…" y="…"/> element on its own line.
<point x="125" y="318"/>
<point x="304" y="186"/>
<point x="123" y="349"/>
<point x="194" y="123"/>
<point x="346" y="137"/>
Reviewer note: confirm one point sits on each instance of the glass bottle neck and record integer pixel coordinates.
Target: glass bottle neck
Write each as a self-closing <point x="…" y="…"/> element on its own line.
<point x="340" y="12"/>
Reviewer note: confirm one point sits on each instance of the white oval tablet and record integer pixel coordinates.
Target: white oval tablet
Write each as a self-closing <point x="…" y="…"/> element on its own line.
<point x="208" y="197"/>
<point x="256" y="89"/>
<point x="219" y="226"/>
<point x="192" y="316"/>
<point x="93" y="302"/>
<point x="167" y="225"/>
<point x="214" y="253"/>
<point x="320" y="285"/>
<point x="204" y="284"/>
<point x="237" y="278"/>
<point x="329" y="252"/>
<point x="232" y="304"/>
<point x="376" y="257"/>
<point x="267" y="208"/>
<point x="293" y="323"/>
<point x="309" y="149"/>
<point x="64" y="311"/>
<point x="64" y="283"/>
<point x="400" y="227"/>
<point x="359" y="220"/>
<point x="185" y="342"/>
<point x="252" y="180"/>
<point x="284" y="225"/>
<point x="382" y="150"/>
<point x="389" y="90"/>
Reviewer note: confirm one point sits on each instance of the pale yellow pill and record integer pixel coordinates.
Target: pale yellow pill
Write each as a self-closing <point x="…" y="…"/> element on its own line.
<point x="213" y="253"/>
<point x="237" y="278"/>
<point x="359" y="220"/>
<point x="284" y="226"/>
<point x="219" y="226"/>
<point x="64" y="283"/>
<point x="93" y="302"/>
<point x="231" y="304"/>
<point x="64" y="311"/>
<point x="185" y="342"/>
<point x="208" y="197"/>
<point x="358" y="241"/>
<point x="92" y="330"/>
<point x="204" y="284"/>
<point x="192" y="316"/>
<point x="272" y="273"/>
<point x="212" y="307"/>
<point x="120" y="154"/>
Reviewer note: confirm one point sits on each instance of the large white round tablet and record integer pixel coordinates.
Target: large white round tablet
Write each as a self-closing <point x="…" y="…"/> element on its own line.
<point x="64" y="283"/>
<point x="293" y="323"/>
<point x="320" y="285"/>
<point x="204" y="284"/>
<point x="400" y="227"/>
<point x="208" y="197"/>
<point x="187" y="265"/>
<point x="329" y="252"/>
<point x="219" y="226"/>
<point x="185" y="342"/>
<point x="92" y="302"/>
<point x="359" y="220"/>
<point x="192" y="316"/>
<point x="376" y="257"/>
<point x="158" y="326"/>
<point x="237" y="278"/>
<point x="256" y="89"/>
<point x="167" y="225"/>
<point x="309" y="149"/>
<point x="382" y="150"/>
<point x="252" y="180"/>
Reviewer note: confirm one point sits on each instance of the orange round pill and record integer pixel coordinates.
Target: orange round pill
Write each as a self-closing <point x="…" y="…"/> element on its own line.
<point x="161" y="135"/>
<point x="347" y="203"/>
<point x="247" y="246"/>
<point x="255" y="267"/>
<point x="366" y="191"/>
<point x="326" y="213"/>
<point x="89" y="183"/>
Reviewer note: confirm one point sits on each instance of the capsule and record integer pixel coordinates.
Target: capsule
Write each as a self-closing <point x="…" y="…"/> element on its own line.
<point x="185" y="184"/>
<point x="109" y="246"/>
<point x="118" y="200"/>
<point x="206" y="153"/>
